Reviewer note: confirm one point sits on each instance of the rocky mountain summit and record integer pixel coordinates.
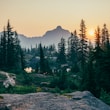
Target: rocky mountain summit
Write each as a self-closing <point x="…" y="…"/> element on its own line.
<point x="49" y="38"/>
<point x="48" y="101"/>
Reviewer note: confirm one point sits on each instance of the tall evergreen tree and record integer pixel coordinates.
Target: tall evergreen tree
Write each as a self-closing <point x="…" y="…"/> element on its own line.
<point x="22" y="58"/>
<point x="72" y="48"/>
<point x="10" y="49"/>
<point x="61" y="59"/>
<point x="3" y="50"/>
<point x="83" y="51"/>
<point x="105" y="38"/>
<point x="105" y="70"/>
<point x="10" y="46"/>
<point x="98" y="59"/>
<point x="90" y="81"/>
<point x="98" y="38"/>
<point x="42" y="60"/>
<point x="17" y="51"/>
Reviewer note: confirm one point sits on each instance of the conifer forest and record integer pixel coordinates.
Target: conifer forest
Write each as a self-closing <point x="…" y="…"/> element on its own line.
<point x="76" y="64"/>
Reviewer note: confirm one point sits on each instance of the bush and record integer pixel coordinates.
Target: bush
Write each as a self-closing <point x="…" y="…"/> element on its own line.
<point x="63" y="81"/>
<point x="54" y="82"/>
<point x="39" y="89"/>
<point x="23" y="89"/>
<point x="55" y="90"/>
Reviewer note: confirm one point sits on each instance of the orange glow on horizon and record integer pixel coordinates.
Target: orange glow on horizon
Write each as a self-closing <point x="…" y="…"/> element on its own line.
<point x="91" y="34"/>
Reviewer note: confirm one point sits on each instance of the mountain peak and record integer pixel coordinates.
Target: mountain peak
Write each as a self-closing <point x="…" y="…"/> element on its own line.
<point x="58" y="27"/>
<point x="50" y="37"/>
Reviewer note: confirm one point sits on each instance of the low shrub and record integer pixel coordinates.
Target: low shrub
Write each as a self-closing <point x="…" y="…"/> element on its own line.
<point x="39" y="89"/>
<point x="55" y="90"/>
<point x="1" y="97"/>
<point x="24" y="89"/>
<point x="63" y="81"/>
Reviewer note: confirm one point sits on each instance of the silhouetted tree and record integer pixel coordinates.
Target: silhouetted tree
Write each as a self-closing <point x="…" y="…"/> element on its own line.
<point x="42" y="60"/>
<point x="105" y="68"/>
<point x="61" y="52"/>
<point x="83" y="51"/>
<point x="98" y="59"/>
<point x="72" y="48"/>
<point x="90" y="78"/>
<point x="23" y="63"/>
<point x="105" y="38"/>
<point x="3" y="50"/>
<point x="10" y="49"/>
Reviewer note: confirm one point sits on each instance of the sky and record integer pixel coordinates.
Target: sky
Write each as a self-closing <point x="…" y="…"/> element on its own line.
<point x="35" y="17"/>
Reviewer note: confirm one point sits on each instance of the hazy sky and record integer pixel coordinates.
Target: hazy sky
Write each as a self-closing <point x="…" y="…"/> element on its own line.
<point x="35" y="17"/>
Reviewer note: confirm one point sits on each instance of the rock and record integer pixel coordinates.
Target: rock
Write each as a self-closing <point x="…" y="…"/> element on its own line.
<point x="48" y="101"/>
<point x="80" y="95"/>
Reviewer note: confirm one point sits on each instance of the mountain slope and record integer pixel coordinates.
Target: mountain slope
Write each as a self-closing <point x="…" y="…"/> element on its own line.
<point x="50" y="37"/>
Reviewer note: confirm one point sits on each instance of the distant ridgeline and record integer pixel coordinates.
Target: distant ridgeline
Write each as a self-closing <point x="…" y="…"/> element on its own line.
<point x="49" y="38"/>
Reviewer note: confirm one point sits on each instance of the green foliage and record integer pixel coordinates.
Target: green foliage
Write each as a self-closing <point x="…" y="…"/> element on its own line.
<point x="101" y="62"/>
<point x="54" y="90"/>
<point x="27" y="79"/>
<point x="24" y="89"/>
<point x="75" y="68"/>
<point x="63" y="81"/>
<point x="68" y="90"/>
<point x="72" y="48"/>
<point x="23" y="78"/>
<point x="2" y="89"/>
<point x="1" y="97"/>
<point x="6" y="90"/>
<point x="42" y="60"/>
<point x="18" y="89"/>
<point x="83" y="53"/>
<point x="58" y="90"/>
<point x="39" y="89"/>
<point x="10" y="56"/>
<point x="61" y="58"/>
<point x="105" y="97"/>
<point x="91" y="67"/>
<point x="54" y="82"/>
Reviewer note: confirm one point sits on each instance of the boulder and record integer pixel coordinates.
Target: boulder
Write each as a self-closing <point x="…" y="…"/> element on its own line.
<point x="48" y="101"/>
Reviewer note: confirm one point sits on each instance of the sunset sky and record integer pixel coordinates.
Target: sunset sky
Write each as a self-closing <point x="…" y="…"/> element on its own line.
<point x="35" y="17"/>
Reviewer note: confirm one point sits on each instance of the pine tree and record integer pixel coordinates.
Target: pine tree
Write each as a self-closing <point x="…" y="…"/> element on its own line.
<point x="72" y="48"/>
<point x="83" y="51"/>
<point x="105" y="38"/>
<point x="105" y="68"/>
<point x="42" y="60"/>
<point x="98" y="59"/>
<point x="83" y="44"/>
<point x="22" y="58"/>
<point x="61" y="59"/>
<point x="10" y="49"/>
<point x="3" y="50"/>
<point x="10" y="46"/>
<point x="90" y="81"/>
<point x="17" y="51"/>
<point x="102" y="60"/>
